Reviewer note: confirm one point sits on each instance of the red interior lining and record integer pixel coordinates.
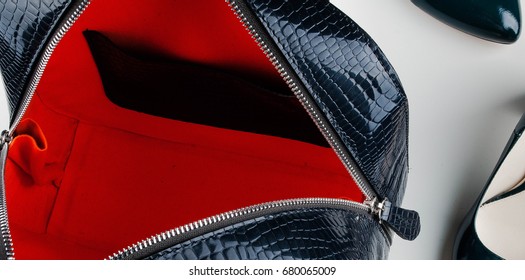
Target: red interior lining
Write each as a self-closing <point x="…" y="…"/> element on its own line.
<point x="109" y="177"/>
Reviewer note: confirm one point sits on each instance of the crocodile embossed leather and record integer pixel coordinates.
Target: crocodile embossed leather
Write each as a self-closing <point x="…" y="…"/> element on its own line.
<point x="183" y="129"/>
<point x="338" y="235"/>
<point x="351" y="80"/>
<point x="25" y="27"/>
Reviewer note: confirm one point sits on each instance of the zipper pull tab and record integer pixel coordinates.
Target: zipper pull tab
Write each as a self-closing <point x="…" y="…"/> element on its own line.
<point x="403" y="222"/>
<point x="5" y="138"/>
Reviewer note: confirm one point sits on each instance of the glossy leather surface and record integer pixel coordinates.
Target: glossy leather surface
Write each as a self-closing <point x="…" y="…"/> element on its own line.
<point x="498" y="21"/>
<point x="471" y="248"/>
<point x="351" y="81"/>
<point x="405" y="223"/>
<point x="519" y="189"/>
<point x="467" y="245"/>
<point x="299" y="234"/>
<point x="25" y="27"/>
<point x="345" y="70"/>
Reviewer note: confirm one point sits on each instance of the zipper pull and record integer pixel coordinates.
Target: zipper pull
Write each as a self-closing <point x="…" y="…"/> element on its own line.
<point x="403" y="222"/>
<point x="5" y="138"/>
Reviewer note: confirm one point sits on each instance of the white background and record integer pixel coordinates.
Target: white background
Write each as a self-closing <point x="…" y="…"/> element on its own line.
<point x="404" y="270"/>
<point x="465" y="97"/>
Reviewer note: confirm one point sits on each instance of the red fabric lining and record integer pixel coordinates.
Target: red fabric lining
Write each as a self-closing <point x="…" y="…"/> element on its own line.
<point x="119" y="176"/>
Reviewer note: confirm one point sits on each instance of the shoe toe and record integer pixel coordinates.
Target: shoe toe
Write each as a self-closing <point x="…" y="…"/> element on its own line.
<point x="498" y="21"/>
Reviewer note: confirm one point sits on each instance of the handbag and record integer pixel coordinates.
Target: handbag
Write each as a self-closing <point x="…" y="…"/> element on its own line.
<point x="161" y="129"/>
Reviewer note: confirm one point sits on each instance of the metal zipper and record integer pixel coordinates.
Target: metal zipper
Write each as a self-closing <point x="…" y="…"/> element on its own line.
<point x="5" y="138"/>
<point x="180" y="234"/>
<point x="258" y="34"/>
<point x="7" y="135"/>
<point x="6" y="243"/>
<point x="50" y="48"/>
<point x="405" y="223"/>
<point x="370" y="206"/>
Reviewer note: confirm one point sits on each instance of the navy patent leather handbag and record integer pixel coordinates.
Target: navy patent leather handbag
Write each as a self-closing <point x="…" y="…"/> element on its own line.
<point x="245" y="129"/>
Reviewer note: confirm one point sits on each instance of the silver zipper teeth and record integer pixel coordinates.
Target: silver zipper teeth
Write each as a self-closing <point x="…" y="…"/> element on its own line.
<point x="5" y="234"/>
<point x="346" y="159"/>
<point x="6" y="240"/>
<point x="329" y="202"/>
<point x="35" y="80"/>
<point x="341" y="152"/>
<point x="303" y="98"/>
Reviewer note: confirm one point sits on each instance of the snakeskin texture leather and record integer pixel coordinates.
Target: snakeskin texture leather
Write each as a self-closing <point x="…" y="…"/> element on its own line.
<point x="404" y="223"/>
<point x="299" y="234"/>
<point x="25" y="27"/>
<point x="351" y="81"/>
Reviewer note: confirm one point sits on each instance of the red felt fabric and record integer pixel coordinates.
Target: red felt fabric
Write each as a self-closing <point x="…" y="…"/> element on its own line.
<point x="86" y="178"/>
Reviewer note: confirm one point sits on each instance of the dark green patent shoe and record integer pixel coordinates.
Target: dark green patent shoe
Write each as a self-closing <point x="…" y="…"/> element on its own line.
<point x="493" y="20"/>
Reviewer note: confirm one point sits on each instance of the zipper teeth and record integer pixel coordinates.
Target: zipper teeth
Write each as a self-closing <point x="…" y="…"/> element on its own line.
<point x="35" y="80"/>
<point x="307" y="104"/>
<point x="347" y="161"/>
<point x="6" y="239"/>
<point x="142" y="245"/>
<point x="7" y="242"/>
<point x="303" y="98"/>
<point x="5" y="233"/>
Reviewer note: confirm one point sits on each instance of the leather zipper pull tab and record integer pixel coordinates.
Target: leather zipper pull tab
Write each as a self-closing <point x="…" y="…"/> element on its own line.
<point x="405" y="223"/>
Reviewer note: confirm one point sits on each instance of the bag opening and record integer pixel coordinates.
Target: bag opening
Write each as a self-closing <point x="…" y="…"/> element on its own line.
<point x="91" y="172"/>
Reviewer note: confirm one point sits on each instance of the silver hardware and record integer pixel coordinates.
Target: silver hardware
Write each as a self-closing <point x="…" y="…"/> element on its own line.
<point x="50" y="48"/>
<point x="6" y="243"/>
<point x="379" y="209"/>
<point x="308" y="104"/>
<point x="276" y="206"/>
<point x="303" y="97"/>
<point x="5" y="138"/>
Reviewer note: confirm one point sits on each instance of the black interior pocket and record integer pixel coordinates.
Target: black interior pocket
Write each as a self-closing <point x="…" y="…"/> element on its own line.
<point x="200" y="94"/>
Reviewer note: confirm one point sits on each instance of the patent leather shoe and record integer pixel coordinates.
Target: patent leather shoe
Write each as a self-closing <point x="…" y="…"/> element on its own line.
<point x="493" y="20"/>
<point x="490" y="229"/>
